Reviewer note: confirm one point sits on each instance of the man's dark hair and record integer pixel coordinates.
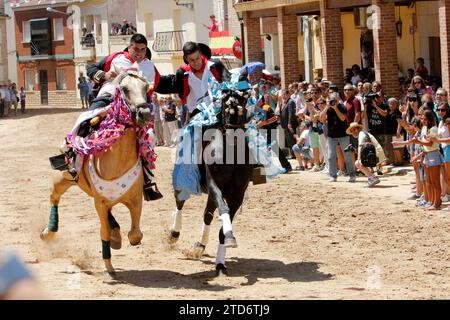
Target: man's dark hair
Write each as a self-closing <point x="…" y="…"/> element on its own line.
<point x="421" y="60"/>
<point x="190" y="47"/>
<point x="138" y="38"/>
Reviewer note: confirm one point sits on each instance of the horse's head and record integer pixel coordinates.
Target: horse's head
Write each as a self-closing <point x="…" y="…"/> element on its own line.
<point x="134" y="88"/>
<point x="234" y="108"/>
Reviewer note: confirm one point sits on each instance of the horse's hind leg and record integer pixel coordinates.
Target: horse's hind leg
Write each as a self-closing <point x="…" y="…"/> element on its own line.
<point x="174" y="233"/>
<point x="208" y="215"/>
<point x="60" y="186"/>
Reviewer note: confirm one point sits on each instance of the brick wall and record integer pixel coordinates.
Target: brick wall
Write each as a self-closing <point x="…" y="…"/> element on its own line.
<point x="3" y="50"/>
<point x="253" y="51"/>
<point x="331" y="44"/>
<point x="287" y="32"/>
<point x="385" y="48"/>
<point x="444" y="28"/>
<point x="270" y="25"/>
<point x="61" y="99"/>
<point x="64" y="47"/>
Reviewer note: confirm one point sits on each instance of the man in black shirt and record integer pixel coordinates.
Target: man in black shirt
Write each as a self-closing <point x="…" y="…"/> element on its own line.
<point x="335" y="116"/>
<point x="288" y="119"/>
<point x="377" y="112"/>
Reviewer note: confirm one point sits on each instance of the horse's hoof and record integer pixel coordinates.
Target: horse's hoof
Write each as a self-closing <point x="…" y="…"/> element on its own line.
<point x="221" y="270"/>
<point x="198" y="250"/>
<point x="116" y="239"/>
<point x="47" y="235"/>
<point x="230" y="240"/>
<point x="109" y="268"/>
<point x="173" y="236"/>
<point x="135" y="237"/>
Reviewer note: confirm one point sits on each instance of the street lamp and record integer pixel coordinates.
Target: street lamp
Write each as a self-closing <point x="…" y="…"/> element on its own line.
<point x="50" y="9"/>
<point x="241" y="21"/>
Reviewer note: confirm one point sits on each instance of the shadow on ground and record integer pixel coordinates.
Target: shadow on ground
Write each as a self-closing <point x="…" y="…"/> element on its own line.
<point x="251" y="269"/>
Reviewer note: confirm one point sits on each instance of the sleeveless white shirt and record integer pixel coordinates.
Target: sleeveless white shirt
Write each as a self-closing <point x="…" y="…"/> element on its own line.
<point x="146" y="66"/>
<point x="198" y="87"/>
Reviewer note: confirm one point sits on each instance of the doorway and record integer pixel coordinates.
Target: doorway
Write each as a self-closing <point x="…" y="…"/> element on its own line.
<point x="43" y="80"/>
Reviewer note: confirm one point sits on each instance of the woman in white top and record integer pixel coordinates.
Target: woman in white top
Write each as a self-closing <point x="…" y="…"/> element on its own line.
<point x="443" y="138"/>
<point x="433" y="159"/>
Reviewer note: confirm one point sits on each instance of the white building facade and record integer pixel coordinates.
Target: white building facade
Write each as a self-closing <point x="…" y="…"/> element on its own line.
<point x="168" y="26"/>
<point x="90" y="33"/>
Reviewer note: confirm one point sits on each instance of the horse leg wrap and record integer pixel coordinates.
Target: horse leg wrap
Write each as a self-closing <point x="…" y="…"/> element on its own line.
<point x="226" y="222"/>
<point x="53" y="219"/>
<point x="112" y="221"/>
<point x="106" y="250"/>
<point x="205" y="234"/>
<point x="177" y="218"/>
<point x="220" y="257"/>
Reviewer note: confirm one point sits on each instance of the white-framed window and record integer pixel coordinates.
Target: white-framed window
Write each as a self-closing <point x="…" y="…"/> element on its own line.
<point x="30" y="80"/>
<point x="58" y="29"/>
<point x="61" y="79"/>
<point x="26" y="31"/>
<point x="149" y="30"/>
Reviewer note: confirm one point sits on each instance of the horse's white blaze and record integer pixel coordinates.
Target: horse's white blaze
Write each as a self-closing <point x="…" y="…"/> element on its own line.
<point x="177" y="215"/>
<point x="226" y="222"/>
<point x="220" y="257"/>
<point x="205" y="234"/>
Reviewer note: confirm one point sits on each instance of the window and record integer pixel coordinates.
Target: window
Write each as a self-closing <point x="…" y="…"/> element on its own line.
<point x="26" y="34"/>
<point x="98" y="28"/>
<point x="61" y="79"/>
<point x="40" y="37"/>
<point x="29" y="80"/>
<point x="58" y="29"/>
<point x="149" y="25"/>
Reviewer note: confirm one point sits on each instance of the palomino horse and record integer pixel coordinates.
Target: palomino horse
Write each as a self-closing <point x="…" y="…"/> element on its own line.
<point x="114" y="176"/>
<point x="225" y="183"/>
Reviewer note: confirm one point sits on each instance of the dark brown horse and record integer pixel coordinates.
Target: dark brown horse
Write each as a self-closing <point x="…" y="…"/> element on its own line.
<point x="225" y="175"/>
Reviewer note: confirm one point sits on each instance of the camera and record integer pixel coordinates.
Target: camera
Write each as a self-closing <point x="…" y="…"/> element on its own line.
<point x="370" y="97"/>
<point x="349" y="148"/>
<point x="332" y="102"/>
<point x="412" y="98"/>
<point x="309" y="100"/>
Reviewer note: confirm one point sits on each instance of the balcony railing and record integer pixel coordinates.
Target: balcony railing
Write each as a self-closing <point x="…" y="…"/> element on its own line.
<point x="168" y="41"/>
<point x="88" y="41"/>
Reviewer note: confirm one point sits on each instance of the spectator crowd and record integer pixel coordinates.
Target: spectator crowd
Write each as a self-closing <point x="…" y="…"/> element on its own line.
<point x="359" y="130"/>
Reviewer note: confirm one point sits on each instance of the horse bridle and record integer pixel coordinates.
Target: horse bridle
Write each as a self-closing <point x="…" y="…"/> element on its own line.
<point x="241" y="110"/>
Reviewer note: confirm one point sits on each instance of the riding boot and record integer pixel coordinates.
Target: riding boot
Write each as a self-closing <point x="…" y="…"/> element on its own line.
<point x="149" y="193"/>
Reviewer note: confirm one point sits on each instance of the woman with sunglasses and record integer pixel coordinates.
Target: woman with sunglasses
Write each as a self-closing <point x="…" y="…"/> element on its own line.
<point x="419" y="84"/>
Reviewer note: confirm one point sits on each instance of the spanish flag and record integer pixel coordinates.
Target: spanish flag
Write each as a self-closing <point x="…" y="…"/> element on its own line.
<point x="221" y="43"/>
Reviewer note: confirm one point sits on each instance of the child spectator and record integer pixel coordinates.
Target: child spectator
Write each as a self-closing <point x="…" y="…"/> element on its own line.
<point x="356" y="130"/>
<point x="302" y="150"/>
